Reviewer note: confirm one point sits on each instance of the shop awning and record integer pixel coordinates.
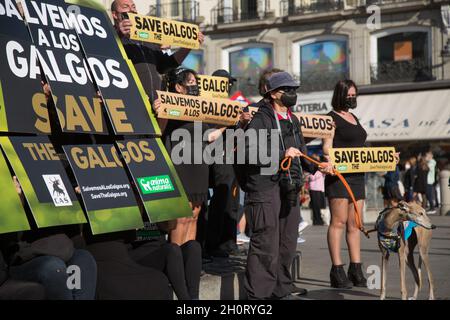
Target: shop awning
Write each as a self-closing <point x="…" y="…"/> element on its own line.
<point x="418" y="115"/>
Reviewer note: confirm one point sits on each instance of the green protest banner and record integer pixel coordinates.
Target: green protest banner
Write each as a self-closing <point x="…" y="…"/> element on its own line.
<point x="12" y="215"/>
<point x="44" y="181"/>
<point x="154" y="175"/>
<point x="106" y="191"/>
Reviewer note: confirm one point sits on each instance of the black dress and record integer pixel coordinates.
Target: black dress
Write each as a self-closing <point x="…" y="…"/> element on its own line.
<point x="194" y="177"/>
<point x="347" y="135"/>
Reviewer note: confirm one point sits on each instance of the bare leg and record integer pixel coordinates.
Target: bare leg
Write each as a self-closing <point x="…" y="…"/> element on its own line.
<point x="191" y="232"/>
<point x="353" y="236"/>
<point x="339" y="217"/>
<point x="178" y="235"/>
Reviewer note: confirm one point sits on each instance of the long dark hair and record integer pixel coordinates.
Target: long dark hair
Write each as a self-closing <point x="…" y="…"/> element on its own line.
<point x="176" y="76"/>
<point x="340" y="94"/>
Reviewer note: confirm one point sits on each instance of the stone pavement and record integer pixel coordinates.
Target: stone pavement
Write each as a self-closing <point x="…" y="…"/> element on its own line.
<point x="224" y="278"/>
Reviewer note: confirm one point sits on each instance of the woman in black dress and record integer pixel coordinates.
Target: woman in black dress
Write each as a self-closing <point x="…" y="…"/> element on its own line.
<point x="348" y="134"/>
<point x="194" y="177"/>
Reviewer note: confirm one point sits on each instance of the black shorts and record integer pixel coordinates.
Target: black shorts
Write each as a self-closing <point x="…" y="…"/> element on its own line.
<point x="334" y="188"/>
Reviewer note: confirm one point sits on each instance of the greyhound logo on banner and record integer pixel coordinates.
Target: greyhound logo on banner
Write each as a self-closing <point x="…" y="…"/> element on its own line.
<point x="57" y="190"/>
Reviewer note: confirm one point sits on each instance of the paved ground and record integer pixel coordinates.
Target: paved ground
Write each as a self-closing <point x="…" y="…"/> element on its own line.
<point x="224" y="278"/>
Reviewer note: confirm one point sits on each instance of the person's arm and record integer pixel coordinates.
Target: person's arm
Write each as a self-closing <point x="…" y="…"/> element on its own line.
<point x="216" y="134"/>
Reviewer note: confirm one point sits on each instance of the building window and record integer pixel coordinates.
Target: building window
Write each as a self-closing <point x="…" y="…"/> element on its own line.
<point x="401" y="55"/>
<point x="245" y="63"/>
<point x="321" y="62"/>
<point x="194" y="61"/>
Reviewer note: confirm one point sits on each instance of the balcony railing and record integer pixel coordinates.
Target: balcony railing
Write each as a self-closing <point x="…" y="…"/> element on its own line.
<point x="185" y="10"/>
<point x="256" y="10"/>
<point x="401" y="71"/>
<point x="297" y="7"/>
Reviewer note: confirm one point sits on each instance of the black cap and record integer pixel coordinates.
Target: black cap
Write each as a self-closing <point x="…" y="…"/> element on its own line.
<point x="280" y="79"/>
<point x="225" y="74"/>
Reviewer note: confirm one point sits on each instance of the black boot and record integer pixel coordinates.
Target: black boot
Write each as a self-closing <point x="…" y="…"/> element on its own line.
<point x="338" y="278"/>
<point x="356" y="275"/>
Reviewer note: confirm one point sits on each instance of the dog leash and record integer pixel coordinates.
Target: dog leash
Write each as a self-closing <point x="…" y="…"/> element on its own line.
<point x="286" y="165"/>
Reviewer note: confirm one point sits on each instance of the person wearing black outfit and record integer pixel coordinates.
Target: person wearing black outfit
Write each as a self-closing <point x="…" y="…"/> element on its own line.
<point x="224" y="203"/>
<point x="409" y="178"/>
<point x="272" y="200"/>
<point x="348" y="134"/>
<point x="420" y="184"/>
<point x="194" y="177"/>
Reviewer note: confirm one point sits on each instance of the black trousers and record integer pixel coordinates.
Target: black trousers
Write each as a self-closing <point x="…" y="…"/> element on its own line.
<point x="273" y="244"/>
<point x="316" y="205"/>
<point x="223" y="209"/>
<point x="181" y="264"/>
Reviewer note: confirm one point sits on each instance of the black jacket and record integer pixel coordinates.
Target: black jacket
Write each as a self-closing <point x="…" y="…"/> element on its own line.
<point x="265" y="119"/>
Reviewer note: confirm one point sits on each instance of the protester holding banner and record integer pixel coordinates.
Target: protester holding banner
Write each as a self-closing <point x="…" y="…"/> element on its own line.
<point x="148" y="58"/>
<point x="272" y="199"/>
<point x="348" y="133"/>
<point x="224" y="203"/>
<point x="193" y="176"/>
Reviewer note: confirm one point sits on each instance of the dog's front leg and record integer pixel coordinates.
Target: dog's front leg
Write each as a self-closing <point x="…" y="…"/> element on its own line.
<point x="384" y="259"/>
<point x="402" y="263"/>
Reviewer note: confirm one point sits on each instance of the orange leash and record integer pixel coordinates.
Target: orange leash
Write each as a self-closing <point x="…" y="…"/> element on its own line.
<point x="286" y="164"/>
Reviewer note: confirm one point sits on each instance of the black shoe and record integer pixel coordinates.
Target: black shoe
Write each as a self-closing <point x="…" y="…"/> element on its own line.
<point x="298" y="291"/>
<point x="356" y="275"/>
<point x="338" y="278"/>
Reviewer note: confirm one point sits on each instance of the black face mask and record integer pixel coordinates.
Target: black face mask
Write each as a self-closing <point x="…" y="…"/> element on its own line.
<point x="192" y="90"/>
<point x="350" y="103"/>
<point x="289" y="99"/>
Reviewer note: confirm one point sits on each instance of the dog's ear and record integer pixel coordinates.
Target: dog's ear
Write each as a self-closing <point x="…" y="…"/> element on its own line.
<point x="402" y="205"/>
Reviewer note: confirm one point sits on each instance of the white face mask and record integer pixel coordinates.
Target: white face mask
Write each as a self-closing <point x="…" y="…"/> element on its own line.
<point x="407" y="166"/>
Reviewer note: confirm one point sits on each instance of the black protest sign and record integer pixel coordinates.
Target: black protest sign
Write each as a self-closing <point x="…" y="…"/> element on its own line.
<point x="20" y="88"/>
<point x="155" y="177"/>
<point x="106" y="191"/>
<point x="54" y="33"/>
<point x="127" y="106"/>
<point x="44" y="181"/>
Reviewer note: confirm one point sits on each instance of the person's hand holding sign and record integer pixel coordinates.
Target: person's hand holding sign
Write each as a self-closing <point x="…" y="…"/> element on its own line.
<point x="245" y="118"/>
<point x="156" y="106"/>
<point x="397" y="157"/>
<point x="201" y="38"/>
<point x="124" y="25"/>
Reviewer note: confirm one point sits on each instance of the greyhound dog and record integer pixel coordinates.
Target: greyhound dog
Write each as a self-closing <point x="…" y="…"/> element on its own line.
<point x="391" y="232"/>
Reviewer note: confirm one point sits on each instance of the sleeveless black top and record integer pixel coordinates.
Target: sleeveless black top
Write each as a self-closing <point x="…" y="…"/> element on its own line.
<point x="348" y="135"/>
